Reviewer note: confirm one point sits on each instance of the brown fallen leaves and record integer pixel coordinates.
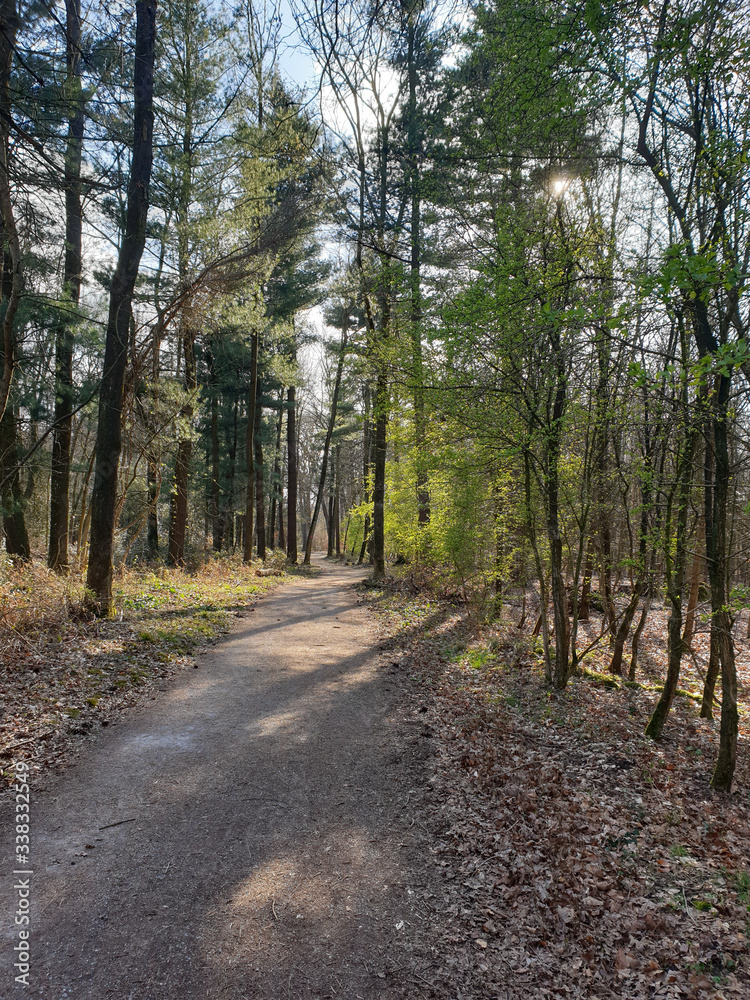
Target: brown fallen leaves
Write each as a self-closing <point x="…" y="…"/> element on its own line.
<point x="576" y="857"/>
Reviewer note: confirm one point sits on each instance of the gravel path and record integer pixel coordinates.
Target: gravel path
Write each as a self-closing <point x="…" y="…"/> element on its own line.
<point x="248" y="834"/>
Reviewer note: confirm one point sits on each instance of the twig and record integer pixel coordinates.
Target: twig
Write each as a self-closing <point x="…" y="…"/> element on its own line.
<point x="431" y="985"/>
<point x="20" y="636"/>
<point x="118" y="823"/>
<point x="687" y="909"/>
<point x="20" y="743"/>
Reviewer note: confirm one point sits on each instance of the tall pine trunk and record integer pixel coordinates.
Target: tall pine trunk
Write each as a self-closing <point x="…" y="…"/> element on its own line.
<point x="179" y="499"/>
<point x="214" y="496"/>
<point x="57" y="557"/>
<point x="337" y="502"/>
<point x="366" y="472"/>
<point x="227" y="511"/>
<point x="109" y="423"/>
<point x="12" y="276"/>
<point x="260" y="496"/>
<point x="415" y="291"/>
<point x="291" y="481"/>
<point x="276" y="478"/>
<point x="252" y="395"/>
<point x="378" y="486"/>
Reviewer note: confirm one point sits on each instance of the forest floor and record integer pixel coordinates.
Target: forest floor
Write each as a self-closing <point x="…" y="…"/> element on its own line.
<point x="331" y="808"/>
<point x="65" y="674"/>
<point x="578" y="858"/>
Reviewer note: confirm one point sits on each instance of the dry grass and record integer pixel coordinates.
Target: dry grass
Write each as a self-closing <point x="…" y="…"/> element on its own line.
<point x="35" y="601"/>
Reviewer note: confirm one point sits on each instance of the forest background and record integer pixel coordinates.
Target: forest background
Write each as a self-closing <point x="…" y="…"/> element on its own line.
<point x="526" y="226"/>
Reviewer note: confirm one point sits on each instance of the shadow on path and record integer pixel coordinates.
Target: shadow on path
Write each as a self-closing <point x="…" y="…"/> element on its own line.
<point x="246" y="835"/>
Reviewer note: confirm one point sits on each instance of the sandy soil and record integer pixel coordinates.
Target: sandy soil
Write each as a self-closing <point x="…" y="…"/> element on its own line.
<point x="253" y="832"/>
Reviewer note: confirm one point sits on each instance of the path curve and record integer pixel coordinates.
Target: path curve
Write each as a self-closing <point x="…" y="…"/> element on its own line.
<point x="244" y="835"/>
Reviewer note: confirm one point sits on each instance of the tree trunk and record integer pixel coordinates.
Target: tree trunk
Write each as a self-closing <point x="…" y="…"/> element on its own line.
<point x="716" y="526"/>
<point x="57" y="557"/>
<point x="584" y="605"/>
<point x="643" y="535"/>
<point x="378" y="487"/>
<point x="655" y="725"/>
<point x="605" y="576"/>
<point x="214" y="500"/>
<point x="621" y="635"/>
<point x="227" y="508"/>
<point x="12" y="277"/>
<point x="291" y="484"/>
<point x="557" y="576"/>
<point x="366" y="472"/>
<point x="692" y="608"/>
<point x="276" y="479"/>
<point x="282" y="477"/>
<point x="250" y="448"/>
<point x="153" y="456"/>
<point x="327" y="443"/>
<point x="337" y="502"/>
<point x="675" y="573"/>
<point x="179" y="498"/>
<point x="84" y="516"/>
<point x="14" y="523"/>
<point x="543" y="623"/>
<point x="415" y="291"/>
<point x="109" y="423"/>
<point x="153" y="477"/>
<point x="260" y="504"/>
<point x="637" y="636"/>
<point x="328" y="513"/>
<point x="153" y="459"/>
<point x="712" y="675"/>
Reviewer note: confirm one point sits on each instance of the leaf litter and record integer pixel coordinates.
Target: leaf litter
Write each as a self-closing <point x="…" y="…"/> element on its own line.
<point x="573" y="857"/>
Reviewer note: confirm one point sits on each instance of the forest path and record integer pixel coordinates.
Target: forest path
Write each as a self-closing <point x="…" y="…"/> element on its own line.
<point x="247" y="834"/>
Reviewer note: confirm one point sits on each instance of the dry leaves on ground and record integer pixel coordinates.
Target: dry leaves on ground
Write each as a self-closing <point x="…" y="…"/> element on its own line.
<point x="576" y="858"/>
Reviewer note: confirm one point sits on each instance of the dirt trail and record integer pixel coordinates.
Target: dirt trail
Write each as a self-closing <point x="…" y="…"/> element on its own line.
<point x="248" y="834"/>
